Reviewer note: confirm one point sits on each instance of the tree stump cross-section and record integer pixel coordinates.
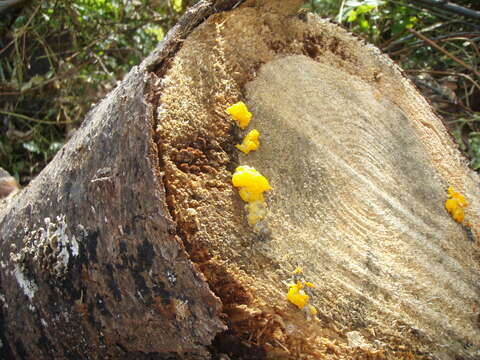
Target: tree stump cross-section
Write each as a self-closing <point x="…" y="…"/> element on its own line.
<point x="133" y="243"/>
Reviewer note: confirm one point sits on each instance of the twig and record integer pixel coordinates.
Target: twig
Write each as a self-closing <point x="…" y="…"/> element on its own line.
<point x="282" y="346"/>
<point x="28" y="118"/>
<point x="451" y="7"/>
<point x="99" y="59"/>
<point x="441" y="38"/>
<point x="403" y="39"/>
<point x="451" y="73"/>
<point x="340" y="13"/>
<point x="471" y="41"/>
<point x="439" y="48"/>
<point x="444" y="99"/>
<point x="400" y="38"/>
<point x="439" y="13"/>
<point x="61" y="76"/>
<point x="22" y="31"/>
<point x="10" y="93"/>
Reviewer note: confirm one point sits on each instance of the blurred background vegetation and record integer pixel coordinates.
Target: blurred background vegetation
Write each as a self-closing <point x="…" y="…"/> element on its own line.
<point x="57" y="58"/>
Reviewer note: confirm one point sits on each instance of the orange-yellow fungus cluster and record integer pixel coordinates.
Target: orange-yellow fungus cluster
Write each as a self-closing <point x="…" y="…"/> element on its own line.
<point x="455" y="204"/>
<point x="297" y="296"/>
<point x="298" y="271"/>
<point x="297" y="293"/>
<point x="250" y="142"/>
<point x="240" y="114"/>
<point x="252" y="185"/>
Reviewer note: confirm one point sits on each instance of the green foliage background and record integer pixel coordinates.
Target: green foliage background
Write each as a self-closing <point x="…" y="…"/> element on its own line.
<point x="59" y="57"/>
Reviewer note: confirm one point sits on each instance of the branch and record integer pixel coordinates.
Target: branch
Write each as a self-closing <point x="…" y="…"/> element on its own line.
<point x="439" y="48"/>
<point x="451" y="7"/>
<point x="5" y="4"/>
<point x="399" y="46"/>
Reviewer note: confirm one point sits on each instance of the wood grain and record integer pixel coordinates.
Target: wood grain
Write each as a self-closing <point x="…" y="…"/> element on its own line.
<point x="358" y="202"/>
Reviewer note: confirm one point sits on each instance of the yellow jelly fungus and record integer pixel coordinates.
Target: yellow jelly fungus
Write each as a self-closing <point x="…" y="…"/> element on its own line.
<point x="257" y="210"/>
<point x="298" y="270"/>
<point x="250" y="142"/>
<point x="456" y="195"/>
<point x="240" y="114"/>
<point x="297" y="296"/>
<point x="249" y="196"/>
<point x="309" y="284"/>
<point x="299" y="293"/>
<point x="455" y="204"/>
<point x="252" y="185"/>
<point x="249" y="178"/>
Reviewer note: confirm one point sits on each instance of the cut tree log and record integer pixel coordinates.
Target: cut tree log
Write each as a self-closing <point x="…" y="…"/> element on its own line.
<point x="132" y="243"/>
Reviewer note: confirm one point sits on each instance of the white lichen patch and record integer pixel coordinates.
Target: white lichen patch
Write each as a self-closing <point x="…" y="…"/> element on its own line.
<point x="28" y="286"/>
<point x="171" y="277"/>
<point x="4" y="301"/>
<point x="49" y="247"/>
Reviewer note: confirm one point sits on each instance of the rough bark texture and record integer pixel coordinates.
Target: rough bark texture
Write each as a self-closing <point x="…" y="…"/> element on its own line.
<point x="90" y="263"/>
<point x="132" y="243"/>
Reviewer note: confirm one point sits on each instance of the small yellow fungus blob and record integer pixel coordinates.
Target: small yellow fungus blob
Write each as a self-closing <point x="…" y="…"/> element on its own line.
<point x="240" y="114"/>
<point x="257" y="210"/>
<point x="297" y="296"/>
<point x="249" y="196"/>
<point x="252" y="185"/>
<point x="455" y="204"/>
<point x="309" y="284"/>
<point x="298" y="270"/>
<point x="250" y="142"/>
<point x="300" y="291"/>
<point x="249" y="178"/>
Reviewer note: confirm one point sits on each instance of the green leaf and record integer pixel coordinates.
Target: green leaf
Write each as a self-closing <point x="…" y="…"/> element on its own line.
<point x="363" y="9"/>
<point x="34" y="81"/>
<point x="32" y="147"/>
<point x="364" y="25"/>
<point x="397" y="28"/>
<point x="351" y="16"/>
<point x="20" y="21"/>
<point x="55" y="146"/>
<point x="156" y="32"/>
<point x="177" y="5"/>
<point x="50" y="113"/>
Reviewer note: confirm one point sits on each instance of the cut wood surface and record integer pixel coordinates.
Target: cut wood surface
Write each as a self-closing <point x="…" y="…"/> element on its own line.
<point x="133" y="243"/>
<point x="359" y="166"/>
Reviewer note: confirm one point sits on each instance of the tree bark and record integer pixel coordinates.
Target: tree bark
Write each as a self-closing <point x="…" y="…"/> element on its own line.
<point x="132" y="243"/>
<point x="91" y="266"/>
